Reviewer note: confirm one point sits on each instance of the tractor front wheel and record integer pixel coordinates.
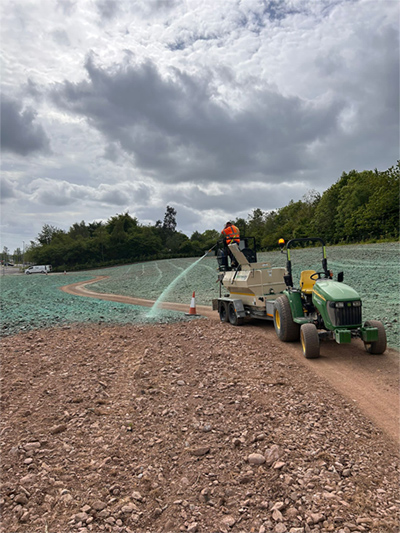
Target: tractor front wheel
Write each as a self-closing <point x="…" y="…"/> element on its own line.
<point x="223" y="312"/>
<point x="233" y="318"/>
<point x="309" y="341"/>
<point x="379" y="346"/>
<point x="286" y="329"/>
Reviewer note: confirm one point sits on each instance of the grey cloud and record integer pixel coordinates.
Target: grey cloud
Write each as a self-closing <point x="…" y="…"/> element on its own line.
<point x="329" y="63"/>
<point x="142" y="193"/>
<point x="52" y="193"/>
<point x="177" y="131"/>
<point x="76" y="174"/>
<point x="32" y="89"/>
<point x="61" y="37"/>
<point x="190" y="38"/>
<point x="111" y="152"/>
<point x="107" y="9"/>
<point x="152" y="8"/>
<point x="19" y="132"/>
<point x="127" y="193"/>
<point x="52" y="198"/>
<point x="276" y="10"/>
<point x="113" y="197"/>
<point x="385" y="78"/>
<point x="243" y="198"/>
<point x="7" y="190"/>
<point x="178" y="44"/>
<point x="370" y="91"/>
<point x="123" y="194"/>
<point x="66" y="6"/>
<point x="49" y="192"/>
<point x="163" y="4"/>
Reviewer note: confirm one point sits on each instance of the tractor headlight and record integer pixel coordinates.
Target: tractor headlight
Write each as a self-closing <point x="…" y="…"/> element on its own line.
<point x="342" y="305"/>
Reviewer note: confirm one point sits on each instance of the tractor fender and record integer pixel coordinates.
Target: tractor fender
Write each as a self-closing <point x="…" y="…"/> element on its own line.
<point x="296" y="305"/>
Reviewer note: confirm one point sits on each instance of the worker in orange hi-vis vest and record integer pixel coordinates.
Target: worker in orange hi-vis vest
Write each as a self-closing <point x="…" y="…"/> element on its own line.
<point x="231" y="233"/>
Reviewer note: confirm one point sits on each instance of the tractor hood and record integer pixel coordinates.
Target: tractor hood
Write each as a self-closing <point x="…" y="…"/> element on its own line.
<point x="339" y="304"/>
<point x="330" y="290"/>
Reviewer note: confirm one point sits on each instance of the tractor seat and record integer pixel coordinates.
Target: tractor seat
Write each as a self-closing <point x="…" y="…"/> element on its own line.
<point x="306" y="284"/>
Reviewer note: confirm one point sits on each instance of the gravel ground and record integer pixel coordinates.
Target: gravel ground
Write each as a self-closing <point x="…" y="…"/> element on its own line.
<point x="185" y="427"/>
<point x="113" y="422"/>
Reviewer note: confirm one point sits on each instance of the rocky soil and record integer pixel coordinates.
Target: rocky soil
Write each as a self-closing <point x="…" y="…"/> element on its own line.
<point x="192" y="427"/>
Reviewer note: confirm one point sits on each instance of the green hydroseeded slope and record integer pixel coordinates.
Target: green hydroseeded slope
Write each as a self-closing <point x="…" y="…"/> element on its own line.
<point x="36" y="301"/>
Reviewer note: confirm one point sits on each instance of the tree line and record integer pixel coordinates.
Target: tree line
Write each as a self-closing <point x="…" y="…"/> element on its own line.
<point x="359" y="207"/>
<point x="122" y="239"/>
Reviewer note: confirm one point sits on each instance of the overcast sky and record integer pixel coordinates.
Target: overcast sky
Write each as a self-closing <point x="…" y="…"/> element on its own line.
<point x="214" y="107"/>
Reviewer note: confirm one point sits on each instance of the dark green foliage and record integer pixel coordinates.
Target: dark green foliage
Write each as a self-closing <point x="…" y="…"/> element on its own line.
<point x="241" y="224"/>
<point x="202" y="242"/>
<point x="169" y="223"/>
<point x="120" y="240"/>
<point x="360" y="206"/>
<point x="79" y="230"/>
<point x="48" y="233"/>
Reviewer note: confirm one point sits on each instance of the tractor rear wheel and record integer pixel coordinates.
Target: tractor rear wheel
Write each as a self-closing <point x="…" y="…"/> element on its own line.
<point x="379" y="346"/>
<point x="223" y="312"/>
<point x="286" y="329"/>
<point x="233" y="318"/>
<point x="309" y="341"/>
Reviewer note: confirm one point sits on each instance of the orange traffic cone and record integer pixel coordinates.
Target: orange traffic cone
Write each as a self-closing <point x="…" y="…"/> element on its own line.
<point x="192" y="309"/>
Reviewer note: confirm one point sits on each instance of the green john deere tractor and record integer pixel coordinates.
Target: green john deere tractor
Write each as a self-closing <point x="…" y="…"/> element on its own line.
<point x="322" y="308"/>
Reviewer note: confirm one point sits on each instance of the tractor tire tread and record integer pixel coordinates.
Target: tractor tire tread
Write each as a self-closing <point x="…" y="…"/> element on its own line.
<point x="234" y="320"/>
<point x="309" y="341"/>
<point x="223" y="312"/>
<point x="379" y="346"/>
<point x="288" y="330"/>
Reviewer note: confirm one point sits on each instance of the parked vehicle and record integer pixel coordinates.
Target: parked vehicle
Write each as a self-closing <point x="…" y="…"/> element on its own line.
<point x="38" y="269"/>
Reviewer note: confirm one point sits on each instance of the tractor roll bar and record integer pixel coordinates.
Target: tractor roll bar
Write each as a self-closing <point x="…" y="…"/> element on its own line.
<point x="288" y="277"/>
<point x="306" y="239"/>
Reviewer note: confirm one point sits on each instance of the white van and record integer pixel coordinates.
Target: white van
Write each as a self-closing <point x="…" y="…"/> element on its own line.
<point x="38" y="269"/>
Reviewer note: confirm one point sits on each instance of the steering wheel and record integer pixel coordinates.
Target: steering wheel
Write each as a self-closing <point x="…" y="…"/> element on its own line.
<point x="317" y="275"/>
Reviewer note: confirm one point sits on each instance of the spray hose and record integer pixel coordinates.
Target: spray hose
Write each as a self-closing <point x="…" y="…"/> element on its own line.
<point x="210" y="249"/>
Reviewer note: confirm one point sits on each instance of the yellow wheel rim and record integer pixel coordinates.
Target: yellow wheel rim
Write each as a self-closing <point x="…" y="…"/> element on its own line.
<point x="303" y="345"/>
<point x="277" y="319"/>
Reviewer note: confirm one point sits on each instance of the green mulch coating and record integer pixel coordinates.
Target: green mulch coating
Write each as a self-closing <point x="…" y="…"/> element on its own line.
<point x="35" y="301"/>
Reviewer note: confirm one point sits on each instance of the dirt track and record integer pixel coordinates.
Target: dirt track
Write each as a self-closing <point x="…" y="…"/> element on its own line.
<point x="370" y="381"/>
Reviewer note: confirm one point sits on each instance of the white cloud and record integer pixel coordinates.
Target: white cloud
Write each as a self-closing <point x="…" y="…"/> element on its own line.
<point x="214" y="107"/>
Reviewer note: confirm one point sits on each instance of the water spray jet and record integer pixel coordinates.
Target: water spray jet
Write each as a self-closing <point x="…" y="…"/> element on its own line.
<point x="154" y="309"/>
